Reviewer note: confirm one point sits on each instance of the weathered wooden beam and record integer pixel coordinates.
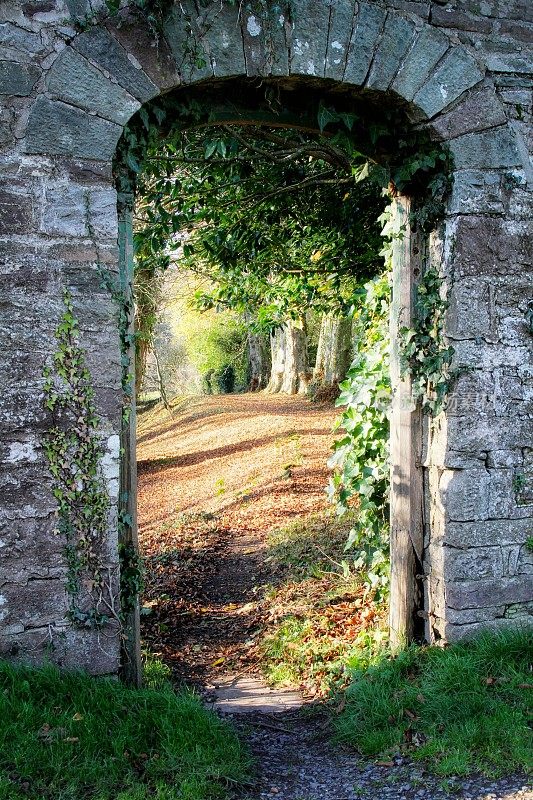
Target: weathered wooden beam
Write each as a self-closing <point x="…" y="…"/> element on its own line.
<point x="406" y="497"/>
<point x="131" y="664"/>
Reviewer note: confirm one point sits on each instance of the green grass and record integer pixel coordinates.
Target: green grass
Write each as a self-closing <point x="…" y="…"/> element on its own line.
<point x="311" y="547"/>
<point x="317" y="608"/>
<point x="70" y="737"/>
<point x="465" y="708"/>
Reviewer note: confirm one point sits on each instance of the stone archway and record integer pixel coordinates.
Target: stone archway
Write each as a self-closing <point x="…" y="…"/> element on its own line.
<point x="470" y="518"/>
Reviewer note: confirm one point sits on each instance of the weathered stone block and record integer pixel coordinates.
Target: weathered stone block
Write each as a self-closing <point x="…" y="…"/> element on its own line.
<point x="505" y="458"/>
<point x="153" y="55"/>
<point x="74" y="80"/>
<point x="32" y="7"/>
<point x="524" y="564"/>
<point x="396" y="40"/>
<point x="457" y="19"/>
<point x="103" y="215"/>
<point x="309" y="38"/>
<point x="22" y="409"/>
<point x="225" y="42"/>
<point x="25" y="449"/>
<point x="110" y="465"/>
<point x="489" y="246"/>
<point x="471" y="313"/>
<point x="266" y="36"/>
<point x="71" y="210"/>
<point x="464" y="494"/>
<point x="279" y="37"/>
<point x="58" y="129"/>
<point x="106" y="368"/>
<point x="341" y="25"/>
<point x="463" y="459"/>
<point x="100" y="46"/>
<point x="32" y="309"/>
<point x="518" y="31"/>
<point x="69" y="648"/>
<point x="491" y="149"/>
<point x="89" y="173"/>
<point x="109" y="408"/>
<point x="509" y="62"/>
<point x="502" y="494"/>
<point x="454" y="633"/>
<point x="489" y="592"/>
<point x="30" y="549"/>
<point x="428" y="49"/>
<point x="189" y="43"/>
<point x="418" y="7"/>
<point x="14" y="38"/>
<point x="511" y="557"/>
<point x="488" y="533"/>
<point x="369" y="24"/>
<point x="473" y="395"/>
<point x="100" y="316"/>
<point x="483" y="432"/>
<point x="25" y="492"/>
<point x="478" y="111"/>
<point x="468" y="616"/>
<point x="513" y="390"/>
<point x="75" y="254"/>
<point x="79" y="9"/>
<point x="257" y="53"/>
<point x="65" y="211"/>
<point x="17" y="79"/>
<point x="456" y="73"/>
<point x="16" y="212"/>
<point x="473" y="564"/>
<point x="476" y="192"/>
<point x="34" y="604"/>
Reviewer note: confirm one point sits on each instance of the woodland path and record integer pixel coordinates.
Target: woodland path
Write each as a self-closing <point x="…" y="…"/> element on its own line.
<point x="215" y="479"/>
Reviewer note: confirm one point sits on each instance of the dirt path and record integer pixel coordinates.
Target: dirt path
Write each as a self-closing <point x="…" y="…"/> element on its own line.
<point x="301" y="763"/>
<point x="215" y="481"/>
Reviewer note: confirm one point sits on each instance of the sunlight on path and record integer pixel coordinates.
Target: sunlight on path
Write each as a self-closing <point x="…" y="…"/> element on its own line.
<point x="241" y="695"/>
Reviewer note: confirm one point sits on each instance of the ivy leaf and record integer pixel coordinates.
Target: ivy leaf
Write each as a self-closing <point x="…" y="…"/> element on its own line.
<point x="210" y="148"/>
<point x="325" y="116"/>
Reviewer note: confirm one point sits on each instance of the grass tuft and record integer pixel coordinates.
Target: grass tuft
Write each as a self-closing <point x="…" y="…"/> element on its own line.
<point x="67" y="736"/>
<point x="319" y="615"/>
<point x="465" y="708"/>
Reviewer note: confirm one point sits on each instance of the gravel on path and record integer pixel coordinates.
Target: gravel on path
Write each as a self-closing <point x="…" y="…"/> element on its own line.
<point x="296" y="760"/>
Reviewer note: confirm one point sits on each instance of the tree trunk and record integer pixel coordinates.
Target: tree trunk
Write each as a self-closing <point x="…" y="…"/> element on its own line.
<point x="277" y="351"/>
<point x="160" y="379"/>
<point x="258" y="362"/>
<point x="334" y="352"/>
<point x="142" y="348"/>
<point x="290" y="369"/>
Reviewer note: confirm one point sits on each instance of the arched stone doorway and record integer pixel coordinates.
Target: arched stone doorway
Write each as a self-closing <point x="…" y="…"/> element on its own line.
<point x="459" y="505"/>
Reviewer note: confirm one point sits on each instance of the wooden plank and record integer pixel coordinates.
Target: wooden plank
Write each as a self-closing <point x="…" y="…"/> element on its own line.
<point x="131" y="667"/>
<point x="406" y="441"/>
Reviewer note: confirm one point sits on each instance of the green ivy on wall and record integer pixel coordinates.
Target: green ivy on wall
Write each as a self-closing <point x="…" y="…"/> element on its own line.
<point x="425" y="356"/>
<point x="74" y="453"/>
<point x="360" y="461"/>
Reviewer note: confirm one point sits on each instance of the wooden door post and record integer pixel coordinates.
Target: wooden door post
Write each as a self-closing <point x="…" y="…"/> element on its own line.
<point x="131" y="667"/>
<point x="406" y="495"/>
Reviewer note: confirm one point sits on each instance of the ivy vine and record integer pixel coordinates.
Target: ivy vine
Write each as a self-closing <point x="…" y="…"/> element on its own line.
<point x="425" y="356"/>
<point x="360" y="461"/>
<point x="132" y="572"/>
<point x="74" y="452"/>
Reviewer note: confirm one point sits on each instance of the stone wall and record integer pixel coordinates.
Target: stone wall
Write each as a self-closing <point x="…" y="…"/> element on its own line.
<point x="464" y="69"/>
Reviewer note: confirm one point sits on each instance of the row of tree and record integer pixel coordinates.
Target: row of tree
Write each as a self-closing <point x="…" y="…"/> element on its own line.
<point x="273" y="224"/>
